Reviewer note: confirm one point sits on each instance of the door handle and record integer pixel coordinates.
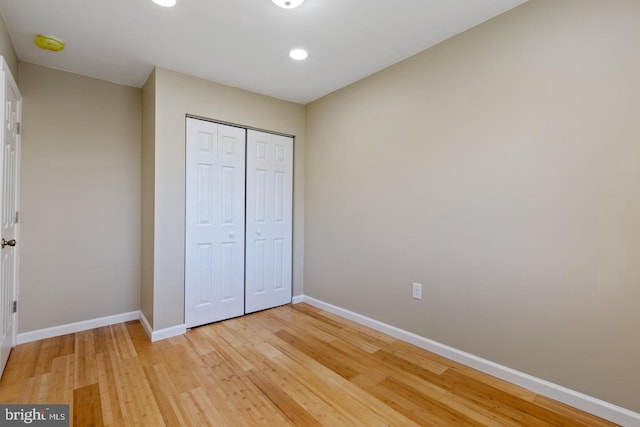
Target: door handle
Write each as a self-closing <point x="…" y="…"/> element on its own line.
<point x="11" y="242"/>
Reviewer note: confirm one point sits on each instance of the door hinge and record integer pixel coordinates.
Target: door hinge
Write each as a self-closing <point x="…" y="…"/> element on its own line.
<point x="18" y="128"/>
<point x="17" y="217"/>
<point x="15" y="307"/>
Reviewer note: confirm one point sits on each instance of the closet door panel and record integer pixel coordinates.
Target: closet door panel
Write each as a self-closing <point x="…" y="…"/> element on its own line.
<point x="268" y="220"/>
<point x="215" y="204"/>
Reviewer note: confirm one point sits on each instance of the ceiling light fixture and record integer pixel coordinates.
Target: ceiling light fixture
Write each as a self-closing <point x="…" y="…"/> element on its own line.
<point x="48" y="43"/>
<point x="165" y="3"/>
<point x="298" y="54"/>
<point x="288" y="4"/>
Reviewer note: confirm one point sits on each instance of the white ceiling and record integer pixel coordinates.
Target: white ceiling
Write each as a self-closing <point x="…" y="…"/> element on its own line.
<point x="241" y="43"/>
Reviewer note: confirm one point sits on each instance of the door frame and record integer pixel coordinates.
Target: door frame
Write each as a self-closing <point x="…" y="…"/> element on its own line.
<point x="16" y="278"/>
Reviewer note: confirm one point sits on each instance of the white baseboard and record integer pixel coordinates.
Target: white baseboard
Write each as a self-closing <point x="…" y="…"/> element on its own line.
<point x="85" y="325"/>
<point x="161" y="334"/>
<point x="146" y="325"/>
<point x="71" y="328"/>
<point x="297" y="299"/>
<point x="565" y="395"/>
<point x="165" y="333"/>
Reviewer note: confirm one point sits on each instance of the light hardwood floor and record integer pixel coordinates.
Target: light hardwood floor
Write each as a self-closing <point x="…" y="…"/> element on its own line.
<point x="292" y="365"/>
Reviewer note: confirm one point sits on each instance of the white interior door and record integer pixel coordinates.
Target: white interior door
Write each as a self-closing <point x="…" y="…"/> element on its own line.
<point x="269" y="220"/>
<point x="8" y="229"/>
<point x="215" y="185"/>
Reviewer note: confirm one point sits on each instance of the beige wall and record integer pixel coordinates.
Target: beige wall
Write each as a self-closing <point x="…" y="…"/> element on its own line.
<point x="80" y="198"/>
<point x="501" y="169"/>
<point x="7" y="50"/>
<point x="176" y="96"/>
<point x="148" y="196"/>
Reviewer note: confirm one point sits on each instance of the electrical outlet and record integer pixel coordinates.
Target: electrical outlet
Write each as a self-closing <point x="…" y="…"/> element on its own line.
<point x="417" y="290"/>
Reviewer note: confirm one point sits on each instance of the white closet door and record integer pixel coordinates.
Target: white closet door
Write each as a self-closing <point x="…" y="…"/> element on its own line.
<point x="215" y="184"/>
<point x="269" y="220"/>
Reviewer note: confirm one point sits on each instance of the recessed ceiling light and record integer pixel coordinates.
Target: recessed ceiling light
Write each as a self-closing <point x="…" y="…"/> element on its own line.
<point x="165" y="3"/>
<point x="298" y="54"/>
<point x="288" y="4"/>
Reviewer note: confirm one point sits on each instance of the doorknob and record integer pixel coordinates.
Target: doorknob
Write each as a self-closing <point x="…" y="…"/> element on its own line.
<point x="11" y="242"/>
<point x="231" y="234"/>
<point x="258" y="231"/>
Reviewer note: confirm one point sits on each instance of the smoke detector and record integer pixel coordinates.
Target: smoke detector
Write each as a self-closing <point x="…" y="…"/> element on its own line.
<point x="48" y="43"/>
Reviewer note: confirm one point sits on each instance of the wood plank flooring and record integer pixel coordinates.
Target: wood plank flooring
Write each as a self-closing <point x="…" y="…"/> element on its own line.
<point x="289" y="366"/>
